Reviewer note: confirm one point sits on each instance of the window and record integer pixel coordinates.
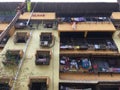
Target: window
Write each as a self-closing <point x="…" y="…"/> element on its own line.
<point x="21" y="37"/>
<point x="12" y="57"/>
<point x="39" y="83"/>
<point x="42" y="57"/>
<point x="46" y="39"/>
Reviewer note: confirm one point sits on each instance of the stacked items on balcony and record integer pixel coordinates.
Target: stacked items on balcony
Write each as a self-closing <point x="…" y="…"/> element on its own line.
<point x="76" y="55"/>
<point x="83" y="19"/>
<point x="73" y="63"/>
<point x="90" y="63"/>
<point x="88" y="44"/>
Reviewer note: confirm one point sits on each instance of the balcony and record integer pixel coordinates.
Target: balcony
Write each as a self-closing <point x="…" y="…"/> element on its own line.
<point x="95" y="42"/>
<point x="81" y="63"/>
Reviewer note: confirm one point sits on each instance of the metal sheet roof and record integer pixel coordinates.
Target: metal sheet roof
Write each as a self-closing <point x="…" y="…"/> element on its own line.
<point x="68" y="8"/>
<point x="78" y="9"/>
<point x="62" y="1"/>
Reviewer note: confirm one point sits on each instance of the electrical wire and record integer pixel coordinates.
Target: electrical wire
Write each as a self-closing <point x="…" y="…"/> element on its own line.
<point x="25" y="49"/>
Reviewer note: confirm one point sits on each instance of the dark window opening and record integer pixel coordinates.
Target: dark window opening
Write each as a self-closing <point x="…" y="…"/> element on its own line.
<point x="42" y="57"/>
<point x="39" y="86"/>
<point x="109" y="86"/>
<point x="71" y="35"/>
<point x="88" y="86"/>
<point x="99" y="34"/>
<point x="4" y="86"/>
<point x="21" y="37"/>
<point x="39" y="83"/>
<point x="76" y="86"/>
<point x="46" y="39"/>
<point x="72" y="40"/>
<point x="4" y="83"/>
<point x="105" y="88"/>
<point x="102" y="44"/>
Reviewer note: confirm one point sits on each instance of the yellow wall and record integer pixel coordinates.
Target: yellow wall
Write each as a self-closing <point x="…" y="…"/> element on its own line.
<point x="52" y="71"/>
